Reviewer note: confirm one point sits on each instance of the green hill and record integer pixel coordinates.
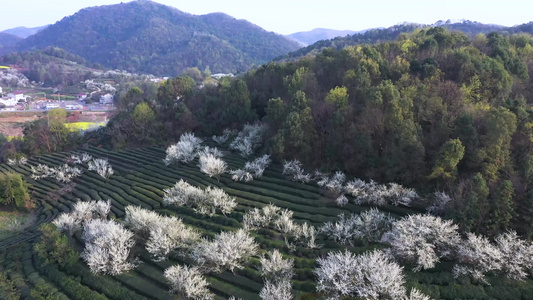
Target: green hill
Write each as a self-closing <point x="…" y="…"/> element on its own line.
<point x="8" y="43"/>
<point x="143" y="36"/>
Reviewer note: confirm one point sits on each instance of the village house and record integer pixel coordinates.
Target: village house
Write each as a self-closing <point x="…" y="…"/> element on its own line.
<point x="17" y="95"/>
<point x="1" y="90"/>
<point x="106" y="99"/>
<point x="8" y="101"/>
<point x="82" y="97"/>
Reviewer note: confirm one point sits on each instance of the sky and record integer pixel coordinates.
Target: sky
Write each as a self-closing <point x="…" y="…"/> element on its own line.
<point x="289" y="16"/>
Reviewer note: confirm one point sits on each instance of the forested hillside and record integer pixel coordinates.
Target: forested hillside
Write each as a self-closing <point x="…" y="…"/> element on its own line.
<point x="8" y="42"/>
<point x="147" y="37"/>
<point x="434" y="110"/>
<point x="470" y="28"/>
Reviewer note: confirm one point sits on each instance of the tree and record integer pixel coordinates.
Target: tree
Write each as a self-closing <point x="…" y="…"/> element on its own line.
<point x="371" y="275"/>
<point x="212" y="165"/>
<point x="422" y="239"/>
<point x="276" y="269"/>
<point x="184" y="151"/>
<point x="107" y="247"/>
<point x="228" y="250"/>
<point x="477" y="256"/>
<point x="502" y="208"/>
<point x="338" y="97"/>
<point x="101" y="166"/>
<point x="14" y="190"/>
<point x="188" y="282"/>
<point x="54" y="247"/>
<point x="449" y="157"/>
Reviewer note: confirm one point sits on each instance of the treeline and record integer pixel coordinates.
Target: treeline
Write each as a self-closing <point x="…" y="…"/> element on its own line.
<point x="51" y="66"/>
<point x="433" y="110"/>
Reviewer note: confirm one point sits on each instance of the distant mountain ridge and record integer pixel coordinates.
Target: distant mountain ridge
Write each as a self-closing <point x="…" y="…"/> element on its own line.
<point x="144" y="36"/>
<point x="317" y="34"/>
<point x="24" y="32"/>
<point x="372" y="36"/>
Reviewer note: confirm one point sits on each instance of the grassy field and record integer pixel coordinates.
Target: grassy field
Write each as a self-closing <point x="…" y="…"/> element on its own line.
<point x="140" y="176"/>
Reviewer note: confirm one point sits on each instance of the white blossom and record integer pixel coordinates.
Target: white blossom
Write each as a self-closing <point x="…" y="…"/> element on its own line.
<point x="212" y="165"/>
<point x="228" y="250"/>
<point x="205" y="202"/>
<point x="168" y="235"/>
<point x="260" y="218"/>
<point x="101" y="166"/>
<point x="183" y="151"/>
<point x="41" y="171"/>
<point x="369" y="226"/>
<point x="276" y="291"/>
<point x="241" y="175"/>
<point x="371" y="275"/>
<point x="275" y="268"/>
<point x="294" y="169"/>
<point x="65" y="173"/>
<point x="422" y="239"/>
<point x="257" y="166"/>
<point x="477" y="256"/>
<point x="248" y="139"/>
<point x="341" y="200"/>
<point x="415" y="294"/>
<point x="188" y="282"/>
<point x="213" y="151"/>
<point x="439" y="203"/>
<point x="81" y="158"/>
<point x="17" y="161"/>
<point x="517" y="255"/>
<point x="67" y="223"/>
<point x="334" y="185"/>
<point x="107" y="247"/>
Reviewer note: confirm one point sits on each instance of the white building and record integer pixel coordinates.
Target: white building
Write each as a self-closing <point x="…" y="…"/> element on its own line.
<point x="106" y="99"/>
<point x="17" y="95"/>
<point x="8" y="101"/>
<point x="1" y="90"/>
<point x="82" y="97"/>
<point x="51" y="105"/>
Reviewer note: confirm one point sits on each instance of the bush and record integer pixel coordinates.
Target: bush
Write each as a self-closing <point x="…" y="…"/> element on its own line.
<point x="14" y="190"/>
<point x="54" y="247"/>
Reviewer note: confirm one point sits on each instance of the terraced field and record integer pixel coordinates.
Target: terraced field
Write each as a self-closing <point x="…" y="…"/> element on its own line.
<point x="139" y="179"/>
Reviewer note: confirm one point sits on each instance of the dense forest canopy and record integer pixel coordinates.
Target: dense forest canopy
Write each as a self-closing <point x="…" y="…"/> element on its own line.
<point x="434" y="110"/>
<point x="147" y="37"/>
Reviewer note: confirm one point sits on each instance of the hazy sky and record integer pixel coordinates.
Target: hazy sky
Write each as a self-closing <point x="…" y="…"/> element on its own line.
<point x="289" y="16"/>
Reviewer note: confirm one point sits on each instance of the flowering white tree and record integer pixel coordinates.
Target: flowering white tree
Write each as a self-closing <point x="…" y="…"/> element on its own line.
<point x="415" y="294"/>
<point x="275" y="268"/>
<point x="205" y="202"/>
<point x="241" y="175"/>
<point x="183" y="151"/>
<point x="188" y="282"/>
<point x="228" y="250"/>
<point x="213" y="151"/>
<point x="212" y="165"/>
<point x="517" y="255"/>
<point x="341" y="200"/>
<point x="440" y="201"/>
<point x="368" y="226"/>
<point x="260" y="218"/>
<point x="101" y="166"/>
<point x="334" y="184"/>
<point x="248" y="139"/>
<point x="80" y="158"/>
<point x="295" y="170"/>
<point x="83" y="211"/>
<point x="107" y="247"/>
<point x="422" y="239"/>
<point x="379" y="194"/>
<point x="276" y="291"/>
<point x="258" y="165"/>
<point x="168" y="235"/>
<point x="63" y="173"/>
<point x="165" y="234"/>
<point x="17" y="161"/>
<point x="477" y="256"/>
<point x="221" y="139"/>
<point x="66" y="173"/>
<point x="371" y="275"/>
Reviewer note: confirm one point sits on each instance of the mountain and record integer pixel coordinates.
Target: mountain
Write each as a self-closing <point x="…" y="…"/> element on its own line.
<point x="317" y="34"/>
<point x="144" y="36"/>
<point x="8" y="43"/>
<point x="371" y="36"/>
<point x="24" y="32"/>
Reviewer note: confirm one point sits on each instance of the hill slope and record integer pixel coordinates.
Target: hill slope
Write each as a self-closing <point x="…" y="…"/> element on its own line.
<point x="24" y="32"/>
<point x="8" y="43"/>
<point x="143" y="36"/>
<point x="317" y="34"/>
